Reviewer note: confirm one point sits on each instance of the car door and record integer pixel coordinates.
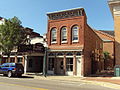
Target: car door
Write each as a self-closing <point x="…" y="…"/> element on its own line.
<point x="5" y="67"/>
<point x="2" y="68"/>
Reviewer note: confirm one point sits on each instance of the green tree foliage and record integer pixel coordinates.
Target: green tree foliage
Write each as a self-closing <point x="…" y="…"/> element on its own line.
<point x="12" y="34"/>
<point x="106" y="55"/>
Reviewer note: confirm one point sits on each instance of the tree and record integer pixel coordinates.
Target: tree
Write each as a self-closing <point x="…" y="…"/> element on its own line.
<point x="12" y="34"/>
<point x="106" y="55"/>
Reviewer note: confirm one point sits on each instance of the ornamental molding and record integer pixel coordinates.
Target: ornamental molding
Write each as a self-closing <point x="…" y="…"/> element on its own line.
<point x="66" y="14"/>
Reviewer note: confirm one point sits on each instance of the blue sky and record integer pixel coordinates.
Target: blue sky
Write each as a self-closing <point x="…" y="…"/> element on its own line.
<point x="32" y="13"/>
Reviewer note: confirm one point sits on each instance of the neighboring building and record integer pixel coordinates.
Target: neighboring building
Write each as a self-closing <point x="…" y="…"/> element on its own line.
<point x="39" y="39"/>
<point x="30" y="54"/>
<point x="73" y="47"/>
<point x="115" y="9"/>
<point x="108" y="47"/>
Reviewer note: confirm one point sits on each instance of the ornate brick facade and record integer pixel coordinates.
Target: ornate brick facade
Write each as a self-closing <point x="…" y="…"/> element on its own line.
<point x="78" y="53"/>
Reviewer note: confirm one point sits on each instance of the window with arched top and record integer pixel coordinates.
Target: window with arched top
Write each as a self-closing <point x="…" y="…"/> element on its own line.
<point x="75" y="34"/>
<point x="64" y="34"/>
<point x="53" y="35"/>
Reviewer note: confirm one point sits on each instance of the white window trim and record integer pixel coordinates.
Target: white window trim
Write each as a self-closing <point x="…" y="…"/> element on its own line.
<point x="64" y="42"/>
<point x="53" y="42"/>
<point x="75" y="41"/>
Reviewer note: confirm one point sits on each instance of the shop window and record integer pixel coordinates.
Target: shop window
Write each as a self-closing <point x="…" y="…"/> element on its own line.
<point x="51" y="64"/>
<point x="69" y="54"/>
<point x="69" y="64"/>
<point x="79" y="53"/>
<point x="30" y="65"/>
<point x="64" y="34"/>
<point x="12" y="60"/>
<point x="19" y="60"/>
<point x="51" y="54"/>
<point x="61" y="65"/>
<point x="53" y="35"/>
<point x="75" y="34"/>
<point x="60" y="54"/>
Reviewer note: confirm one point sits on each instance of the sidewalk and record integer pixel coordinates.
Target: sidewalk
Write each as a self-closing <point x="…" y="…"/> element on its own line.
<point x="114" y="80"/>
<point x="111" y="82"/>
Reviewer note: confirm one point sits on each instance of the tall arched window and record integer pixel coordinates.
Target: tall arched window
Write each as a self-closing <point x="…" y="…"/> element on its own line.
<point x="53" y="35"/>
<point x="64" y="34"/>
<point x="75" y="34"/>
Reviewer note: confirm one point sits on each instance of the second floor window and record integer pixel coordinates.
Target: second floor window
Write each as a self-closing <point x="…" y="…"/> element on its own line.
<point x="63" y="34"/>
<point x="75" y="33"/>
<point x="53" y="35"/>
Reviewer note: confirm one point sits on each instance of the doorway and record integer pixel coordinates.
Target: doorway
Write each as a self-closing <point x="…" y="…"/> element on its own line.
<point x="60" y="66"/>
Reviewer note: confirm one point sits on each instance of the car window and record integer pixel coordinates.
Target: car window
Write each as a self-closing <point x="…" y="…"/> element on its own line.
<point x="12" y="65"/>
<point x="6" y="65"/>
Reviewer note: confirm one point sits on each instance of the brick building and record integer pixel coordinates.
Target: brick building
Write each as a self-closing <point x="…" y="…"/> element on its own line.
<point x="115" y="10"/>
<point x="73" y="47"/>
<point x="108" y="47"/>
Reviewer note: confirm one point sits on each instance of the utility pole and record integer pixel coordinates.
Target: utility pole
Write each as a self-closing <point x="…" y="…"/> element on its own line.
<point x="45" y="63"/>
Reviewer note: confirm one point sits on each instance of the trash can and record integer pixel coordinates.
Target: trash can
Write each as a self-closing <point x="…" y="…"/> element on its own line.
<point x="117" y="70"/>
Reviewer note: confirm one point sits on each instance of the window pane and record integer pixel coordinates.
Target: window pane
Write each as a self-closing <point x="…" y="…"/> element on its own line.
<point x="69" y="65"/>
<point x="64" y="34"/>
<point x="19" y="60"/>
<point x="51" y="64"/>
<point x="53" y="34"/>
<point x="75" y="33"/>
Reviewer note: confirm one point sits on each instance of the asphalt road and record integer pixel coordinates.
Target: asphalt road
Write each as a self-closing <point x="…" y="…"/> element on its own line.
<point x="29" y="83"/>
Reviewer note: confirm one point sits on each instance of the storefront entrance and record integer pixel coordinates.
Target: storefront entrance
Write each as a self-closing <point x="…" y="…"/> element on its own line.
<point x="59" y="66"/>
<point x="35" y="64"/>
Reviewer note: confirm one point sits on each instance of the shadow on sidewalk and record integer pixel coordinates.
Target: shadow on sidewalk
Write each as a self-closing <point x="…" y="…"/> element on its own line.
<point x="104" y="73"/>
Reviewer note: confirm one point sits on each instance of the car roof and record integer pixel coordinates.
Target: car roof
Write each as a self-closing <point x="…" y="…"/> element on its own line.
<point x="8" y="63"/>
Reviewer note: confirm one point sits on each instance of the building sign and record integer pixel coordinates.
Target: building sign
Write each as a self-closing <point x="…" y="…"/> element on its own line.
<point x="66" y="14"/>
<point x="25" y="48"/>
<point x="38" y="48"/>
<point x="31" y="48"/>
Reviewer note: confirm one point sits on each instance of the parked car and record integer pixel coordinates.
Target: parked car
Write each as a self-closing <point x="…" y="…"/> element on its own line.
<point x="12" y="69"/>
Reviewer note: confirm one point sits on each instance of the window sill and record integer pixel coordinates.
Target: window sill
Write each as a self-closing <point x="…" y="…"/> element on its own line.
<point x="64" y="42"/>
<point x="53" y="42"/>
<point x="74" y="41"/>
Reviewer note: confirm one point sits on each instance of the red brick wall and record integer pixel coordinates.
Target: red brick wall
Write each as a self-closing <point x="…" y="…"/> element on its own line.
<point x="92" y="42"/>
<point x="69" y="23"/>
<point x="108" y="46"/>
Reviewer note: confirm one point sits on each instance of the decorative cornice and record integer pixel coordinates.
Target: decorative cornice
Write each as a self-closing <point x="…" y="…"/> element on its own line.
<point x="65" y="14"/>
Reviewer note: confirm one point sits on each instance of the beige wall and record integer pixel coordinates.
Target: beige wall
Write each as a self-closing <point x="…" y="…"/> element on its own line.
<point x="117" y="38"/>
<point x="115" y="9"/>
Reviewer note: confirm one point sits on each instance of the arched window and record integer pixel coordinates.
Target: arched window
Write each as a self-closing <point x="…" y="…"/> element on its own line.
<point x="53" y="35"/>
<point x="75" y="34"/>
<point x="64" y="34"/>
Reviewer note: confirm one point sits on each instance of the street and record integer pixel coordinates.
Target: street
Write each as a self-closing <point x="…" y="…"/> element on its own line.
<point x="29" y="83"/>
